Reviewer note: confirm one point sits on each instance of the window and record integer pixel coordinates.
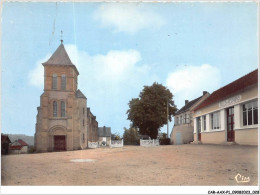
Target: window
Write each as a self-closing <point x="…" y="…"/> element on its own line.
<point x="63" y="109"/>
<point x="250" y="113"/>
<point x="177" y="120"/>
<point x="83" y="123"/>
<point x="54" y="109"/>
<point x="204" y="123"/>
<point x="180" y="120"/>
<point x="63" y="82"/>
<point x="54" y="81"/>
<point x="215" y="120"/>
<point x="199" y="124"/>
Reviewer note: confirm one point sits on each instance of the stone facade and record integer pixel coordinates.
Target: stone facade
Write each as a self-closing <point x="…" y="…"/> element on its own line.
<point x="63" y="121"/>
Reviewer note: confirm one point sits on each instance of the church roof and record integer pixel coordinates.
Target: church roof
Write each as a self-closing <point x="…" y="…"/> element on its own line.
<point x="79" y="94"/>
<point x="59" y="57"/>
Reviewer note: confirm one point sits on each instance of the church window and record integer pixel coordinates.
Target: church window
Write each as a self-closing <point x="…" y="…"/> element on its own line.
<point x="63" y="109"/>
<point x="54" y="81"/>
<point x="63" y="82"/>
<point x="55" y="109"/>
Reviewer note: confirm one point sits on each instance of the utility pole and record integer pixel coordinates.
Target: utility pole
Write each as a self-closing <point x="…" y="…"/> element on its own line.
<point x="167" y="120"/>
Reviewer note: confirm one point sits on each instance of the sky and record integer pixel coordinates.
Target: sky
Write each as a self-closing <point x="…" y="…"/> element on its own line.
<point x="118" y="48"/>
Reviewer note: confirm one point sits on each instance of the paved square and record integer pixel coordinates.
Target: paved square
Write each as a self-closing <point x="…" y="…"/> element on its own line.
<point x="134" y="165"/>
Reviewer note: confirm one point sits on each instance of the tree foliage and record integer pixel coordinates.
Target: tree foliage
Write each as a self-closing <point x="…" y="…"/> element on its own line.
<point x="131" y="136"/>
<point x="115" y="136"/>
<point x="149" y="111"/>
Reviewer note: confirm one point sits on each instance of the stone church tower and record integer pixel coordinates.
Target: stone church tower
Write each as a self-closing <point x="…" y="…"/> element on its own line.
<point x="63" y="120"/>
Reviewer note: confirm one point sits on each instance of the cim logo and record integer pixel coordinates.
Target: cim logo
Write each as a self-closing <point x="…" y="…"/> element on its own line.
<point x="242" y="179"/>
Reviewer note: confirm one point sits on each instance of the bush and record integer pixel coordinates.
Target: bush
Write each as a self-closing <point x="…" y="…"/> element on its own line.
<point x="165" y="141"/>
<point x="31" y="149"/>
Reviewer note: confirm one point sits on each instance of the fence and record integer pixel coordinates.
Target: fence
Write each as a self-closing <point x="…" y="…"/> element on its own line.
<point x="117" y="143"/>
<point x="93" y="144"/>
<point x="150" y="142"/>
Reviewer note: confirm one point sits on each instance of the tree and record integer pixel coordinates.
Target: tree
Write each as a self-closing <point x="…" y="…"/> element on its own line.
<point x="131" y="136"/>
<point x="115" y="136"/>
<point x="149" y="111"/>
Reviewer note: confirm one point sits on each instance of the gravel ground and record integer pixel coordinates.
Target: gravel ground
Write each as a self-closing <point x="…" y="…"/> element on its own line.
<point x="172" y="165"/>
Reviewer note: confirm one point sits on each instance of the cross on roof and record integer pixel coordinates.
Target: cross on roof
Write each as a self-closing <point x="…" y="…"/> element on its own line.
<point x="61" y="34"/>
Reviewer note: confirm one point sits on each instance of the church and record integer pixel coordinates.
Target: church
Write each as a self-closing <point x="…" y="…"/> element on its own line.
<point x="64" y="122"/>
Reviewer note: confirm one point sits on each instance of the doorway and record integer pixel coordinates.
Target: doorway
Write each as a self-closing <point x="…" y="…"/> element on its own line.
<point x="230" y="125"/>
<point x="60" y="143"/>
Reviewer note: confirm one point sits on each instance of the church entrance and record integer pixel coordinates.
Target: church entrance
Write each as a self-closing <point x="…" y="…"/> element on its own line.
<point x="59" y="143"/>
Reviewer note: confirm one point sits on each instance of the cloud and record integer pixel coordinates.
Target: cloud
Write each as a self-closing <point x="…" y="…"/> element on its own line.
<point x="36" y="75"/>
<point x="188" y="83"/>
<point x="127" y="17"/>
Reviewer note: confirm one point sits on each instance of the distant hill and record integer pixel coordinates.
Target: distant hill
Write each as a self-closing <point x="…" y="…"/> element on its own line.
<point x="28" y="139"/>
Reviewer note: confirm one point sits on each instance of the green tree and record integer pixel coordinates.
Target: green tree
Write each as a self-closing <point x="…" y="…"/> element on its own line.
<point x="131" y="136"/>
<point x="115" y="136"/>
<point x="149" y="111"/>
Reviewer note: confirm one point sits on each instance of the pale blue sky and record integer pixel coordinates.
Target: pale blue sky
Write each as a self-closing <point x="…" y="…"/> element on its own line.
<point x="189" y="47"/>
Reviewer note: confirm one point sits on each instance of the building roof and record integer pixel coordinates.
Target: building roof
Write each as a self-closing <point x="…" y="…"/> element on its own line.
<point x="79" y="94"/>
<point x="59" y="57"/>
<point x="5" y="138"/>
<point x="18" y="144"/>
<point x="230" y="89"/>
<point x="104" y="131"/>
<point x="188" y="106"/>
<point x="22" y="143"/>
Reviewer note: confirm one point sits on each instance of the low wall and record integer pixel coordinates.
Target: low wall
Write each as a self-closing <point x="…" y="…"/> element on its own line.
<point x="246" y="136"/>
<point x="117" y="143"/>
<point x="93" y="144"/>
<point x="147" y="143"/>
<point x="217" y="137"/>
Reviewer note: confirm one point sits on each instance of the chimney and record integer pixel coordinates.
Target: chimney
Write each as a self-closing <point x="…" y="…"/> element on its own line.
<point x="205" y="92"/>
<point x="186" y="102"/>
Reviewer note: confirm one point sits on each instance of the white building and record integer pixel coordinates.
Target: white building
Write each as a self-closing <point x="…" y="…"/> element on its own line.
<point x="229" y="114"/>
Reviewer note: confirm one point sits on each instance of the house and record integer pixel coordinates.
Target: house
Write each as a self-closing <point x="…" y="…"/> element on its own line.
<point x="64" y="122"/>
<point x="230" y="114"/>
<point x="5" y="142"/>
<point x="104" y="136"/>
<point x="19" y="147"/>
<point x="182" y="131"/>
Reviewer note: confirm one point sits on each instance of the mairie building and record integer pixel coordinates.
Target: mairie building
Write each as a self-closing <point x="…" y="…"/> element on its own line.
<point x="230" y="114"/>
<point x="64" y="122"/>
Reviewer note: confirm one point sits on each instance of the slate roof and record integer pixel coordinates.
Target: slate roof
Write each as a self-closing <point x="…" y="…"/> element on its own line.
<point x="79" y="94"/>
<point x="104" y="131"/>
<point x="59" y="57"/>
<point x="230" y="89"/>
<point x="187" y="106"/>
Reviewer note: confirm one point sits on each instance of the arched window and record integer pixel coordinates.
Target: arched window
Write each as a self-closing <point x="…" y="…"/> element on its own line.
<point x="63" y="82"/>
<point x="55" y="109"/>
<point x="54" y="81"/>
<point x="63" y="109"/>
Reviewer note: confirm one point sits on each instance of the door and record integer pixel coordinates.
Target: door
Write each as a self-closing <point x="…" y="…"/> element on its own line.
<point x="230" y="125"/>
<point x="59" y="143"/>
<point x="199" y="128"/>
<point x="178" y="138"/>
